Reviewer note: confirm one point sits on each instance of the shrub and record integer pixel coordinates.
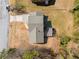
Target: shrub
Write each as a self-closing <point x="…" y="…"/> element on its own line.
<point x="64" y="40"/>
<point x="6" y="52"/>
<point x="20" y="7"/>
<point x="39" y="53"/>
<point x="76" y="13"/>
<point x="76" y="36"/>
<point x="30" y="54"/>
<point x="76" y="21"/>
<point x="3" y="54"/>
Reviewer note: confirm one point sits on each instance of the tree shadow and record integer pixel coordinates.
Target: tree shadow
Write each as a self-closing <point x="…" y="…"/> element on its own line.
<point x="48" y="29"/>
<point x="52" y="2"/>
<point x="44" y="3"/>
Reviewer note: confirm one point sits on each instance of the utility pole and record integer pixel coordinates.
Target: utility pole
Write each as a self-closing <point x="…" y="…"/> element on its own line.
<point x="4" y="22"/>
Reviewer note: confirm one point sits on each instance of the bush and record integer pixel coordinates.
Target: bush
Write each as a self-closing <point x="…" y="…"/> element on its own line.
<point x="76" y="36"/>
<point x="6" y="52"/>
<point x="35" y="53"/>
<point x="30" y="54"/>
<point x="38" y="53"/>
<point x="3" y="54"/>
<point x="76" y="13"/>
<point x="76" y="21"/>
<point x="64" y="40"/>
<point x="20" y="7"/>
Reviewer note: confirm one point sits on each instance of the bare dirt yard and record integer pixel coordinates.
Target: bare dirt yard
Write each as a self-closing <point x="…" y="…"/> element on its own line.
<point x="18" y="35"/>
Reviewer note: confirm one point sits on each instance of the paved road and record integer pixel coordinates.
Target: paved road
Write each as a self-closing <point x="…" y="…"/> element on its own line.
<point x="3" y="24"/>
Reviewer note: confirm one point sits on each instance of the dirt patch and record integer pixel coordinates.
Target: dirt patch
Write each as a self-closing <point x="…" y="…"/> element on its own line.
<point x="64" y="4"/>
<point x="18" y="35"/>
<point x="72" y="45"/>
<point x="53" y="43"/>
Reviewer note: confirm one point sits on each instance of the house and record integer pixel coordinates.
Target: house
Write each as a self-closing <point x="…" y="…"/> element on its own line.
<point x="35" y="22"/>
<point x="36" y="27"/>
